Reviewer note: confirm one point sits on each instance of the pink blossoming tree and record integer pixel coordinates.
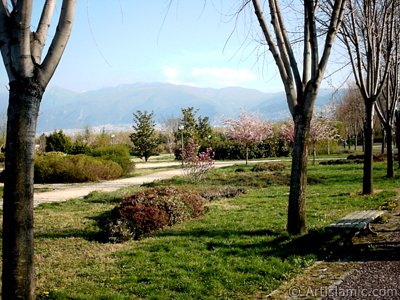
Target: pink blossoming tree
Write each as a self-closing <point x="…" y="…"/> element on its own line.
<point x="248" y="129"/>
<point x="196" y="165"/>
<point x="321" y="129"/>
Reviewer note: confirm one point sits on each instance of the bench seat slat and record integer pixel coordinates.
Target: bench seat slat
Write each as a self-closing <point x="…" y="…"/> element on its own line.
<point x="357" y="220"/>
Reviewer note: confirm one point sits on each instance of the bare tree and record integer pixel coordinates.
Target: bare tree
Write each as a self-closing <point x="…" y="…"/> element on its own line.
<point x="169" y="127"/>
<point x="350" y="112"/>
<point x="22" y="52"/>
<point x="301" y="86"/>
<point x="368" y="35"/>
<point x="387" y="102"/>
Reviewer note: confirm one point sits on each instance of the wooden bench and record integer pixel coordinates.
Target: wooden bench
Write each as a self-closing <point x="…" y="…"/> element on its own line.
<point x="355" y="223"/>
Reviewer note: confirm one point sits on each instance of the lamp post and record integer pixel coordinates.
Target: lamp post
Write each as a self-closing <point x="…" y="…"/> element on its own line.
<point x="181" y="128"/>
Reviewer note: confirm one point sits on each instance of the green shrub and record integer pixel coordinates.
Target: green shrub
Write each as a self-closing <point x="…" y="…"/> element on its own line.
<point x="116" y="153"/>
<point x="80" y="148"/>
<point x="56" y="168"/>
<point x="151" y="210"/>
<point x="58" y="141"/>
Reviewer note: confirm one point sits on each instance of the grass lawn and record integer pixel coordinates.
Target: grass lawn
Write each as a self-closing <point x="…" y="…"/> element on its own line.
<point x="239" y="249"/>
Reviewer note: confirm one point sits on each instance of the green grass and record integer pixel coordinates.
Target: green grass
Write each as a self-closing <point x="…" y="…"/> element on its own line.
<point x="237" y="250"/>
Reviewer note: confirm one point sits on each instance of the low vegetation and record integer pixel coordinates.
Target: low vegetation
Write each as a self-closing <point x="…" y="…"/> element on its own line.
<point x="238" y="249"/>
<point x="151" y="210"/>
<point x="103" y="163"/>
<point x="116" y="153"/>
<point x="55" y="167"/>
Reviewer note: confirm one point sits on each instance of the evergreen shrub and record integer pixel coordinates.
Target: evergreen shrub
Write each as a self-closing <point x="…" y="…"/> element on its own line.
<point x="116" y="153"/>
<point x="56" y="168"/>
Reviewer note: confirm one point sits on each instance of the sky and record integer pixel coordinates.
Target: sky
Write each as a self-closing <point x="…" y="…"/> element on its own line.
<point x="191" y="42"/>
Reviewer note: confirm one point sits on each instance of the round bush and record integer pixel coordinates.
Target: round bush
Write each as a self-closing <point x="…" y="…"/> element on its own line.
<point x="56" y="168"/>
<point x="151" y="210"/>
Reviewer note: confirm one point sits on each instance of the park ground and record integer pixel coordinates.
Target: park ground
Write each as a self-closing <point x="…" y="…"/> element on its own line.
<point x="238" y="250"/>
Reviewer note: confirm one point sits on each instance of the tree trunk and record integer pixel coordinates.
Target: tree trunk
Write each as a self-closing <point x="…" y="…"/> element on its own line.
<point x="247" y="154"/>
<point x="314" y="153"/>
<point x="368" y="150"/>
<point x="355" y="142"/>
<point x="383" y="141"/>
<point x="389" y="151"/>
<point x="18" y="268"/>
<point x="298" y="180"/>
<point x="398" y="136"/>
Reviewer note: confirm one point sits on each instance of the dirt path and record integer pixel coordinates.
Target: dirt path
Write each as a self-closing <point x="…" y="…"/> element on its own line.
<point x="63" y="192"/>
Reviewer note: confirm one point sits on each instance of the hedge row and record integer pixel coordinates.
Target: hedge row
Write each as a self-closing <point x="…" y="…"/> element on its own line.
<point x="104" y="163"/>
<point x="60" y="168"/>
<point x="227" y="149"/>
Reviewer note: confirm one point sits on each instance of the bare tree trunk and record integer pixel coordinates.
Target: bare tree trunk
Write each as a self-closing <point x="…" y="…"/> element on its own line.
<point x="314" y="153"/>
<point x="355" y="142"/>
<point x="389" y="150"/>
<point x="368" y="151"/>
<point x="301" y="88"/>
<point x="383" y="141"/>
<point x="18" y="270"/>
<point x="247" y="154"/>
<point x="398" y="136"/>
<point x="298" y="180"/>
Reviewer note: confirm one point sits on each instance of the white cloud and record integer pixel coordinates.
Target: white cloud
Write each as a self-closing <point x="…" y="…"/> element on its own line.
<point x="172" y="74"/>
<point x="209" y="76"/>
<point x="223" y="76"/>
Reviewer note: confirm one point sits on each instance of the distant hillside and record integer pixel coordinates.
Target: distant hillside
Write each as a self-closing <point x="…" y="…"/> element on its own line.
<point x="64" y="109"/>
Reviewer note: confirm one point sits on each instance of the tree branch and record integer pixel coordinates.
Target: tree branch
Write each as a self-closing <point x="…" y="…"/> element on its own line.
<point x="58" y="43"/>
<point x="289" y="88"/>
<point x="39" y="37"/>
<point x="21" y="50"/>
<point x="334" y="27"/>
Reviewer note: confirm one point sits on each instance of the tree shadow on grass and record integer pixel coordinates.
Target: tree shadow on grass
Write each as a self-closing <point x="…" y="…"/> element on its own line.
<point x="322" y="244"/>
<point x="268" y="242"/>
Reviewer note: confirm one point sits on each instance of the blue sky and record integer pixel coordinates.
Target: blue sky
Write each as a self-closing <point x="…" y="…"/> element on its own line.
<point x="191" y="42"/>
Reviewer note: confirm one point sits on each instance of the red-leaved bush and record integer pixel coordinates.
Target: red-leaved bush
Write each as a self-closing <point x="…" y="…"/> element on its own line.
<point x="151" y="210"/>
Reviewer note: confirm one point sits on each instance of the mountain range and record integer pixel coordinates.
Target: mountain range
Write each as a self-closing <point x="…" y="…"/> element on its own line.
<point x="113" y="106"/>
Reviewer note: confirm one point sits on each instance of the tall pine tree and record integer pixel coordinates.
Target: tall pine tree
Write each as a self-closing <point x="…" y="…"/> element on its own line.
<point x="144" y="138"/>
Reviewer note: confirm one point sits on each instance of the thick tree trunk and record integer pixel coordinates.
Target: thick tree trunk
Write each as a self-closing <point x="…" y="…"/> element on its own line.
<point x="383" y="142"/>
<point x="298" y="180"/>
<point x="389" y="151"/>
<point x="18" y="268"/>
<point x="368" y="150"/>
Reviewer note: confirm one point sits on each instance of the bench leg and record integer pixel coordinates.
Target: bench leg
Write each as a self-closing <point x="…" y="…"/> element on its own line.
<point x="348" y="239"/>
<point x="367" y="231"/>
